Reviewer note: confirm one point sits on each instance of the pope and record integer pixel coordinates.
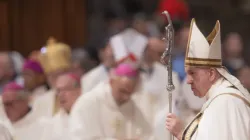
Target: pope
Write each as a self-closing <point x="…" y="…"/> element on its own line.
<point x="226" y="112"/>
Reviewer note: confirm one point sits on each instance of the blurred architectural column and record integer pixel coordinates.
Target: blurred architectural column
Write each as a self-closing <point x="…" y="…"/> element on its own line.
<point x="31" y="23"/>
<point x="4" y="26"/>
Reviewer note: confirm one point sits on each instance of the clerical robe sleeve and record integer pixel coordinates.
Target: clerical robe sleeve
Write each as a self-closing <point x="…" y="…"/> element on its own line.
<point x="4" y="133"/>
<point x="160" y="131"/>
<point x="84" y="122"/>
<point x="227" y="118"/>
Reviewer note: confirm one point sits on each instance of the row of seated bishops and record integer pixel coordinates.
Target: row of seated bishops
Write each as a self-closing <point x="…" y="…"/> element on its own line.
<point x="63" y="95"/>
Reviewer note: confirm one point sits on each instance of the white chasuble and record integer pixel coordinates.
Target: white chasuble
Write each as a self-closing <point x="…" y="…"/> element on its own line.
<point x="225" y="115"/>
<point x="47" y="105"/>
<point x="37" y="93"/>
<point x="93" y="78"/>
<point x="97" y="116"/>
<point x="56" y="128"/>
<point x="27" y="128"/>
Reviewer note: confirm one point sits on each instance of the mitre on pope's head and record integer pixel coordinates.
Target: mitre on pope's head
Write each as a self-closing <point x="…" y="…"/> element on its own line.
<point x="206" y="52"/>
<point x="203" y="51"/>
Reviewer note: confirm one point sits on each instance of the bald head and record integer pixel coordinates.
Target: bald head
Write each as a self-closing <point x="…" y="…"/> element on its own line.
<point x="68" y="80"/>
<point x="6" y="68"/>
<point x="68" y="90"/>
<point x="123" y="88"/>
<point x="124" y="81"/>
<point x="81" y="61"/>
<point x="4" y="56"/>
<point x="15" y="100"/>
<point x="233" y="45"/>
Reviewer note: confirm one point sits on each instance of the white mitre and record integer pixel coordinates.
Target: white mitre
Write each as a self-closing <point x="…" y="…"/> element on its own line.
<point x="128" y="44"/>
<point x="120" y="51"/>
<point x="206" y="52"/>
<point x="135" y="41"/>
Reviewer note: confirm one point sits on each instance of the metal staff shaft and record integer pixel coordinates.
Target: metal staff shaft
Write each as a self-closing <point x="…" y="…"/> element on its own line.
<point x="166" y="59"/>
<point x="170" y="110"/>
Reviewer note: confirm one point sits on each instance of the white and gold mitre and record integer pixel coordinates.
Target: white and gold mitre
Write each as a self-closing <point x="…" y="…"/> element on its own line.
<point x="55" y="56"/>
<point x="204" y="51"/>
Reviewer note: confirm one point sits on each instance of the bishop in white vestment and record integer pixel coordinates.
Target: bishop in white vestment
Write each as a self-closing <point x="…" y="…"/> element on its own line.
<point x="55" y="59"/>
<point x="18" y="115"/>
<point x="68" y="88"/>
<point x="34" y="79"/>
<point x="226" y="112"/>
<point x="154" y="101"/>
<point x="108" y="112"/>
<point x="117" y="51"/>
<point x="155" y="75"/>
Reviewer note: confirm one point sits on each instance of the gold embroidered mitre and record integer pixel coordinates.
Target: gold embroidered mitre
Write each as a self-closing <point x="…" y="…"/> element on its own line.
<point x="55" y="56"/>
<point x="202" y="51"/>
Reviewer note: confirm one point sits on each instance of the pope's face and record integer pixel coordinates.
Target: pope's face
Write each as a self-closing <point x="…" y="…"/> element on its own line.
<point x="123" y="88"/>
<point x="199" y="79"/>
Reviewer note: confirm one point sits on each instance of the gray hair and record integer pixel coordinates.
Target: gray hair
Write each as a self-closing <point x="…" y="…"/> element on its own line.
<point x="82" y="57"/>
<point x="8" y="66"/>
<point x="14" y="63"/>
<point x="17" y="61"/>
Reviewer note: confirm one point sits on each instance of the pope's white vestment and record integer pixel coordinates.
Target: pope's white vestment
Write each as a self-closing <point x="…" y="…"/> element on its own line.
<point x="96" y="116"/>
<point x="224" y="116"/>
<point x="93" y="78"/>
